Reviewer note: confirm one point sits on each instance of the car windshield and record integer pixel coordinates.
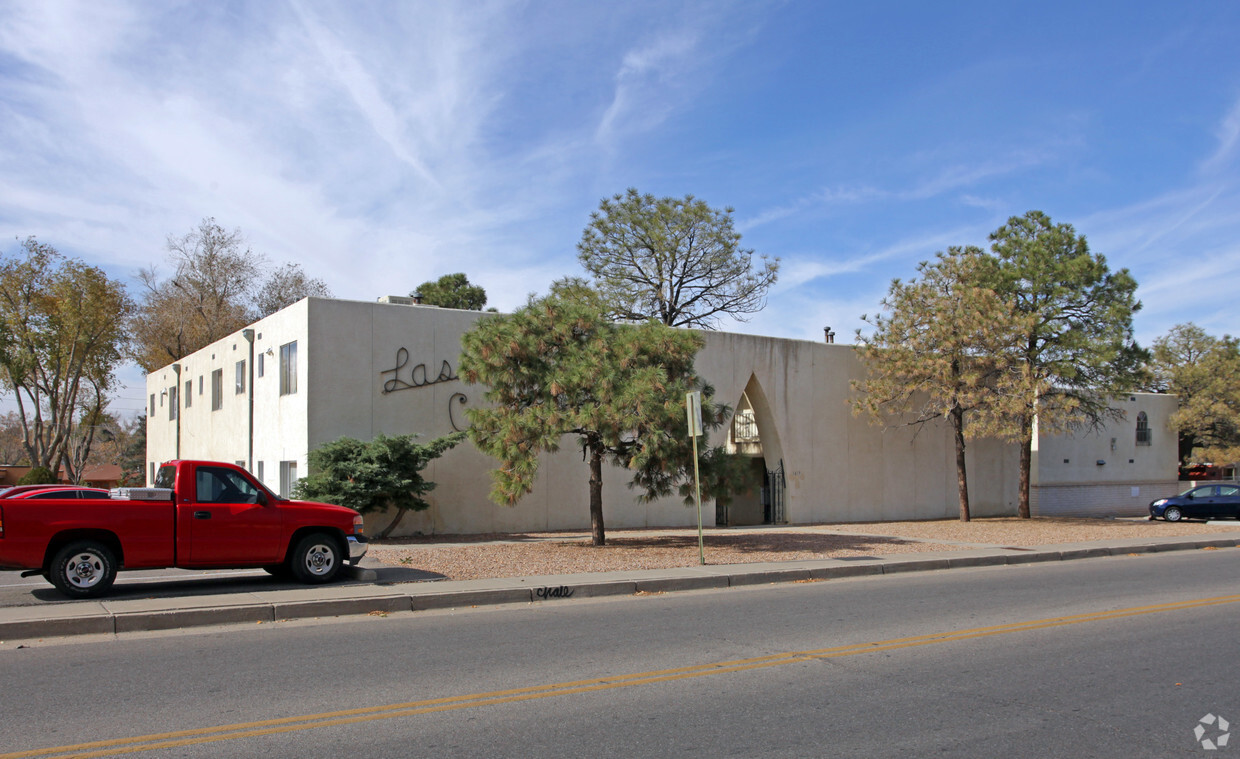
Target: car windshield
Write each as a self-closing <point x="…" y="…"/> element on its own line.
<point x="1197" y="492"/>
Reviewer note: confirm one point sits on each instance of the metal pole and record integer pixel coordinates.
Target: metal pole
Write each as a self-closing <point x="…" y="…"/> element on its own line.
<point x="176" y="369"/>
<point x="248" y="334"/>
<point x="693" y="409"/>
<point x="697" y="496"/>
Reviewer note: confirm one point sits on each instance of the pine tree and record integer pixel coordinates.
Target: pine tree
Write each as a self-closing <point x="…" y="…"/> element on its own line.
<point x="943" y="352"/>
<point x="559" y="366"/>
<point x="1076" y="350"/>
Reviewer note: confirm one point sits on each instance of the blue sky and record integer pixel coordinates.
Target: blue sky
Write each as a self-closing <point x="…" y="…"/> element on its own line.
<point x="384" y="144"/>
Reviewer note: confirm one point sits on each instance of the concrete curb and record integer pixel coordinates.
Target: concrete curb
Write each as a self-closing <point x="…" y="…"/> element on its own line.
<point x="96" y="617"/>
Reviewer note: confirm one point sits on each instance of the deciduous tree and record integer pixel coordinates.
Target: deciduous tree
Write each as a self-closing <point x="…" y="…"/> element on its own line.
<point x="1204" y="372"/>
<point x="12" y="440"/>
<point x="371" y="477"/>
<point x="943" y="351"/>
<point x="559" y="366"/>
<point x="675" y="260"/>
<point x="62" y="331"/>
<point x="1077" y="349"/>
<point x="285" y="286"/>
<point x="217" y="287"/>
<point x="207" y="297"/>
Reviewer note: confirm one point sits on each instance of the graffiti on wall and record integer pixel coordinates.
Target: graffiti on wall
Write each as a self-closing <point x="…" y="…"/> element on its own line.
<point x="418" y="376"/>
<point x="404" y="377"/>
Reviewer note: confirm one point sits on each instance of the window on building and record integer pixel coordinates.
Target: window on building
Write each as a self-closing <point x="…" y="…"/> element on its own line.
<point x="288" y="368"/>
<point x="239" y="384"/>
<point x="288" y="478"/>
<point x="189" y="393"/>
<point x="217" y="389"/>
<point x="1143" y="429"/>
<point x="152" y="414"/>
<point x="152" y="478"/>
<point x="200" y="384"/>
<point x="172" y="402"/>
<point x="744" y="426"/>
<point x="260" y="472"/>
<point x="260" y="364"/>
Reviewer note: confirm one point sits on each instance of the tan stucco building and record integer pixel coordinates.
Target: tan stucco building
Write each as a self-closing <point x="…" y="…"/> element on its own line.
<point x="322" y="369"/>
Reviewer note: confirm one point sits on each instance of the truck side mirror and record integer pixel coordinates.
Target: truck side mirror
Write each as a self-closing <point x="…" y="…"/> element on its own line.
<point x="262" y="498"/>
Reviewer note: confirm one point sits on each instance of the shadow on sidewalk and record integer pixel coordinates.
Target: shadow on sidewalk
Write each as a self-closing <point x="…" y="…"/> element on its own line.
<point x="131" y="585"/>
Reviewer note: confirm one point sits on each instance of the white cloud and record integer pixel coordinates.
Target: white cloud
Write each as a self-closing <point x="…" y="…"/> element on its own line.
<point x="945" y="179"/>
<point x="645" y="84"/>
<point x="1228" y="133"/>
<point x="364" y="92"/>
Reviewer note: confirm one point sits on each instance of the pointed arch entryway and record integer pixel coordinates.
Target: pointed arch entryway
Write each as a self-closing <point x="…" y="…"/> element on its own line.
<point x="754" y="435"/>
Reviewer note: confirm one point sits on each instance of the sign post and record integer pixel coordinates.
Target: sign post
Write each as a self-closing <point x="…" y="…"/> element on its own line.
<point x="693" y="406"/>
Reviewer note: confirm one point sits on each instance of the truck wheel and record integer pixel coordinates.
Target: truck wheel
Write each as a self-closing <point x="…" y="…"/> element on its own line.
<point x="84" y="569"/>
<point x="315" y="559"/>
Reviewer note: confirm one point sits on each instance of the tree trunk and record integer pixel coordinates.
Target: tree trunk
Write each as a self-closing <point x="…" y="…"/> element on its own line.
<point x="962" y="479"/>
<point x="1026" y="459"/>
<point x="596" y="496"/>
<point x="400" y="514"/>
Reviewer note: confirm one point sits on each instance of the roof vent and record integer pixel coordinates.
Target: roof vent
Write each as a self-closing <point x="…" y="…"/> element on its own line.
<point x="396" y="300"/>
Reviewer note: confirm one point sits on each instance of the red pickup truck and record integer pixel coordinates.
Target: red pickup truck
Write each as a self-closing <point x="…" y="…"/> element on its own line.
<point x="200" y="515"/>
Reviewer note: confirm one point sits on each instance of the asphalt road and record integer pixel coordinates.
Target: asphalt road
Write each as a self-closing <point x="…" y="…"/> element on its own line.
<point x="1107" y="657"/>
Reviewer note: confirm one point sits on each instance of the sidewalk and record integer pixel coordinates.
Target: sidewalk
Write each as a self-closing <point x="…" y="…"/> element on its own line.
<point x="379" y="589"/>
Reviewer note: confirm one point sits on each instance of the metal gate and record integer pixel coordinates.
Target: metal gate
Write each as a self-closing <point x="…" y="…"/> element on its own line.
<point x="773" y="495"/>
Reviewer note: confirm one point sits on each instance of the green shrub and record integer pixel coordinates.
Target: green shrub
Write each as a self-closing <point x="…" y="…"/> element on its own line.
<point x="39" y="475"/>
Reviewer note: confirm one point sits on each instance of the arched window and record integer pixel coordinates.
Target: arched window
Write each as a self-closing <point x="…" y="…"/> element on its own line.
<point x="1143" y="429"/>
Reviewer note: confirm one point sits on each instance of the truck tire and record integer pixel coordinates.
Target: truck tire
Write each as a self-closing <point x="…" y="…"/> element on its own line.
<point x="83" y="569"/>
<point x="315" y="559"/>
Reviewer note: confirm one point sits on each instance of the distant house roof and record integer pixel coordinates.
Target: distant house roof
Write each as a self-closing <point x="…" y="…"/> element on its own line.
<point x="105" y="473"/>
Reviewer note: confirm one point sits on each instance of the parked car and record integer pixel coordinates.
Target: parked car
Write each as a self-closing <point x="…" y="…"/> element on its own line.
<point x="17" y="490"/>
<point x="1203" y="502"/>
<point x="62" y="492"/>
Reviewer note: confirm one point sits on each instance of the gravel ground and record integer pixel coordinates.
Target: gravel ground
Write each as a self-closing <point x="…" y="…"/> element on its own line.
<point x="470" y="557"/>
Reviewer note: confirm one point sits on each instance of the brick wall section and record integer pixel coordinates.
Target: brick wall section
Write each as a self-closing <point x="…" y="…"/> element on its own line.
<point x="1099" y="500"/>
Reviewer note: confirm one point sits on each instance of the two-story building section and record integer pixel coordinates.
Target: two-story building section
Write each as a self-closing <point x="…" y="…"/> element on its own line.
<point x="322" y="369"/>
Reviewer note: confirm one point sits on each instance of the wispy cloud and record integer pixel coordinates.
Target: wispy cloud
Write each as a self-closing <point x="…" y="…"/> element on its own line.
<point x="801" y="271"/>
<point x="1228" y="133"/>
<point x="646" y="84"/>
<point x="944" y="181"/>
<point x="365" y="94"/>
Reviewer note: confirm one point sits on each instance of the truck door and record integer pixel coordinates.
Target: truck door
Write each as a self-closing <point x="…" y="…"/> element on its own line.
<point x="228" y="521"/>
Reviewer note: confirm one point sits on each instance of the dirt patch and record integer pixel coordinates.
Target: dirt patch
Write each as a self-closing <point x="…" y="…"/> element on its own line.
<point x="471" y="557"/>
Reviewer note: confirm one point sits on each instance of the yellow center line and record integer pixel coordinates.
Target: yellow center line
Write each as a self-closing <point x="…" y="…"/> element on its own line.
<point x="491" y="698"/>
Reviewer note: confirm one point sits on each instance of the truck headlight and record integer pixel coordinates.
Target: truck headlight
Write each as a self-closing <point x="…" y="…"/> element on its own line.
<point x="359" y="525"/>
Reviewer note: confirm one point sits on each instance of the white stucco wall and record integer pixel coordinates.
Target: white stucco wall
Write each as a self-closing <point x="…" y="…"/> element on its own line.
<point x="1106" y="471"/>
<point x="838" y="467"/>
<point x="279" y="430"/>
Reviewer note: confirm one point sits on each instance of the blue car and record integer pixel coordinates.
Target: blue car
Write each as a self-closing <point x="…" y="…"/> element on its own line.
<point x="1204" y="502"/>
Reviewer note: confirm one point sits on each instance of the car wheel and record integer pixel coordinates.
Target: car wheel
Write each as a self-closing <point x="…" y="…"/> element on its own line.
<point x="315" y="559"/>
<point x="84" y="569"/>
<point x="1173" y="514"/>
